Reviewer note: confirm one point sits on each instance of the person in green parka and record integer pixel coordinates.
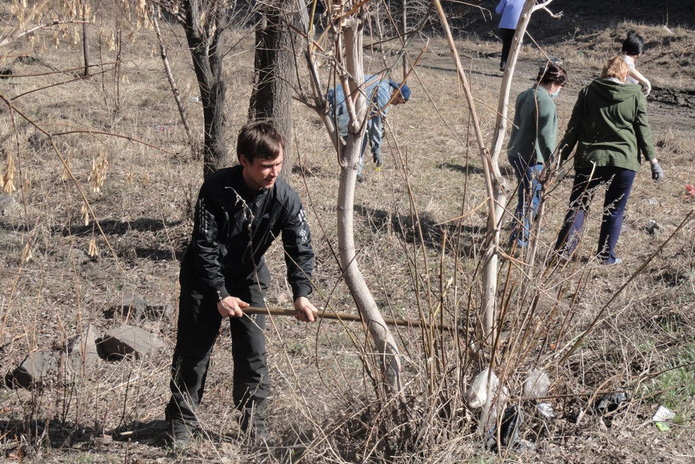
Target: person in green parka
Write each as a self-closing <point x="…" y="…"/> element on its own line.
<point x="610" y="129"/>
<point x="532" y="142"/>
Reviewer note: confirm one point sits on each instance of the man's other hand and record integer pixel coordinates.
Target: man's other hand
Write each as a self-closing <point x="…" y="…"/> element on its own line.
<point x="377" y="159"/>
<point x="231" y="306"/>
<point x="305" y="311"/>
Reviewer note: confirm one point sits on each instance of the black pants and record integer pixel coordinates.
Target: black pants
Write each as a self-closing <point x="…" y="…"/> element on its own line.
<point x="198" y="325"/>
<point x="507" y="35"/>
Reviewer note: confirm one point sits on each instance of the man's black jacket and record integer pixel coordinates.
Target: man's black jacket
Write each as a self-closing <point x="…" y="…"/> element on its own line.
<point x="233" y="228"/>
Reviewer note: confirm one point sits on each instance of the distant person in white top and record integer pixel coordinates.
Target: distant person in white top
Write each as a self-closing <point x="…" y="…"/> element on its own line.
<point x="510" y="10"/>
<point x="632" y="48"/>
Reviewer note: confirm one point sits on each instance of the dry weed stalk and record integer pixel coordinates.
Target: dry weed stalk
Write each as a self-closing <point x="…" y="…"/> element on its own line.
<point x="67" y="169"/>
<point x="98" y="174"/>
<point x="93" y="250"/>
<point x="27" y="253"/>
<point x="86" y="213"/>
<point x="8" y="179"/>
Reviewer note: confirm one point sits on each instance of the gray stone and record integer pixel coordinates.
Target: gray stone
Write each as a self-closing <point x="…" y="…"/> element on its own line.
<point x="158" y="311"/>
<point x="82" y="352"/>
<point x="133" y="307"/>
<point x="129" y="340"/>
<point x="36" y="369"/>
<point x="8" y="205"/>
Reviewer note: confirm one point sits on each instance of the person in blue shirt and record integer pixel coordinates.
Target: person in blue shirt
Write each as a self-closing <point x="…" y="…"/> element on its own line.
<point x="510" y="11"/>
<point x="381" y="94"/>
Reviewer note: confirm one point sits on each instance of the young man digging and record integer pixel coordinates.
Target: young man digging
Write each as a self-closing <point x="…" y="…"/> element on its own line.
<point x="240" y="210"/>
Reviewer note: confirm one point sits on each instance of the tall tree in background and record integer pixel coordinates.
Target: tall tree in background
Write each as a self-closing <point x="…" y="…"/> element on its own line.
<point x="271" y="97"/>
<point x="204" y="22"/>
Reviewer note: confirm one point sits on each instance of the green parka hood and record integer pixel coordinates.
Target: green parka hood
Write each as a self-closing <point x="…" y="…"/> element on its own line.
<point x="613" y="92"/>
<point x="609" y="127"/>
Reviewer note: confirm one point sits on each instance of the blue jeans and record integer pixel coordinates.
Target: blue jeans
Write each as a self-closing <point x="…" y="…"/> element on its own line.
<point x="529" y="199"/>
<point x="618" y="183"/>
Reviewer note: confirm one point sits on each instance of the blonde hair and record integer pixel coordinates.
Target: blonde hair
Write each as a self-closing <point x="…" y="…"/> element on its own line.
<point x="616" y="68"/>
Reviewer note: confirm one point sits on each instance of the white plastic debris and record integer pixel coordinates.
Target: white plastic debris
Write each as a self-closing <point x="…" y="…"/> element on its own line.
<point x="662" y="417"/>
<point x="663" y="414"/>
<point x="537" y="384"/>
<point x="546" y="409"/>
<point x="477" y="393"/>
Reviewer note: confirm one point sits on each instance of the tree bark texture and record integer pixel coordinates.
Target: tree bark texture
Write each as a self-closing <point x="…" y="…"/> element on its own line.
<point x="271" y="98"/>
<point x="204" y="23"/>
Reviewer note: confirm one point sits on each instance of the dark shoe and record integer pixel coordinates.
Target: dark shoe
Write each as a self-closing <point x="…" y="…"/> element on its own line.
<point x="360" y="178"/>
<point x="253" y="424"/>
<point x="179" y="432"/>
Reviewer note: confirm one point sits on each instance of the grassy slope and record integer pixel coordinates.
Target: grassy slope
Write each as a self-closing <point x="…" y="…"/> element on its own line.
<point x="144" y="208"/>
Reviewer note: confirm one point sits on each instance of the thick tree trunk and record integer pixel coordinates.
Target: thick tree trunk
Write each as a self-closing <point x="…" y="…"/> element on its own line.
<point x="206" y="51"/>
<point x="271" y="98"/>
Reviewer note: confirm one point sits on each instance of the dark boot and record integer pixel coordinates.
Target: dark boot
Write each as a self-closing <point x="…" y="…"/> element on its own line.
<point x="179" y="432"/>
<point x="253" y="423"/>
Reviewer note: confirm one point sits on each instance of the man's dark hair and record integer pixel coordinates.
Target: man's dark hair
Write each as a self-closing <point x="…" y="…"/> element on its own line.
<point x="633" y="45"/>
<point x="260" y="140"/>
<point x="552" y="73"/>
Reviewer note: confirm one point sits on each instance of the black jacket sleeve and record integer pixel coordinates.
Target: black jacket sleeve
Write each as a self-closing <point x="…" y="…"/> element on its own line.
<point x="209" y="215"/>
<point x="296" y="241"/>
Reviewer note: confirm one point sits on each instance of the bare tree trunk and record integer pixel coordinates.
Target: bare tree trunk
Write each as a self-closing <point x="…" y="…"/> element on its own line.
<point x="348" y="46"/>
<point x="172" y="82"/>
<point x="491" y="258"/>
<point x="496" y="188"/>
<point x="353" y="45"/>
<point x="85" y="44"/>
<point x="204" y="23"/>
<point x="271" y="97"/>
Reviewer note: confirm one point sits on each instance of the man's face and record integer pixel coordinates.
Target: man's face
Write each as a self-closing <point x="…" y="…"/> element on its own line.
<point x="261" y="173"/>
<point x="397" y="98"/>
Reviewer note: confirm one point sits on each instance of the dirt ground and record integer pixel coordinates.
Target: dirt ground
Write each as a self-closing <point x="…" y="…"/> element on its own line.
<point x="53" y="282"/>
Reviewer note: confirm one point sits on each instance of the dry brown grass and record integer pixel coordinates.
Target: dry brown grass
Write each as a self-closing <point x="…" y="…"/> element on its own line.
<point x="325" y="407"/>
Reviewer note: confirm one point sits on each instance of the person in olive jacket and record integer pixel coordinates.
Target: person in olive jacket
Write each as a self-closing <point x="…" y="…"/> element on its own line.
<point x="531" y="143"/>
<point x="610" y="130"/>
<point x="239" y="212"/>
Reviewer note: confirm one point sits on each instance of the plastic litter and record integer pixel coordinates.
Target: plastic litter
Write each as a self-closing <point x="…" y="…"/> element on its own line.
<point x="653" y="227"/>
<point x="662" y="417"/>
<point x="546" y="409"/>
<point x="476" y="395"/>
<point x="537" y="384"/>
<point x="611" y="402"/>
<point x="512" y="420"/>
